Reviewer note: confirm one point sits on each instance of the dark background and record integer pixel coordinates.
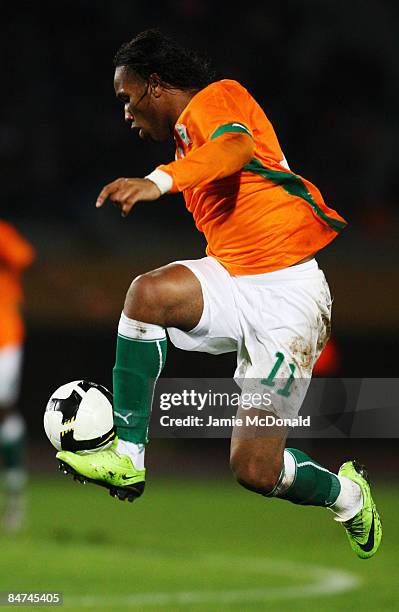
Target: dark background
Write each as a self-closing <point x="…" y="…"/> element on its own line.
<point x="326" y="74"/>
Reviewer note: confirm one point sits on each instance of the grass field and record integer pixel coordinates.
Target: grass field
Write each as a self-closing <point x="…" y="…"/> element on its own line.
<point x="194" y="545"/>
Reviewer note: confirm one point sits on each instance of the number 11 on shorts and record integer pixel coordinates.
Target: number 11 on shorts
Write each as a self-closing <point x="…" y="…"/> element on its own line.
<point x="269" y="381"/>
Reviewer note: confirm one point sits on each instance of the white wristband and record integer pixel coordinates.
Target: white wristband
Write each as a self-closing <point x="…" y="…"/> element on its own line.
<point x="162" y="180"/>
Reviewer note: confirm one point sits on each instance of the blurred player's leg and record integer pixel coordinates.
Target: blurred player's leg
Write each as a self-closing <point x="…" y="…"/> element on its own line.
<point x="12" y="439"/>
<point x="168" y="297"/>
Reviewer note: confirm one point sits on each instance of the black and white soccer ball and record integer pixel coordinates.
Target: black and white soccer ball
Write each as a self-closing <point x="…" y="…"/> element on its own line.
<point x="79" y="417"/>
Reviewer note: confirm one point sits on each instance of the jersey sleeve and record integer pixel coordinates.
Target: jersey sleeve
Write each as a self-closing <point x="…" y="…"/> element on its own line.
<point x="213" y="160"/>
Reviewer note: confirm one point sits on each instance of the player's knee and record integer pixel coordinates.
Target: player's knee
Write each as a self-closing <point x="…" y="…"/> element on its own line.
<point x="251" y="473"/>
<point x="141" y="290"/>
<point x="145" y="297"/>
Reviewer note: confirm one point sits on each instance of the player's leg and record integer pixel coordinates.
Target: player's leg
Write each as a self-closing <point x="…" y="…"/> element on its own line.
<point x="285" y="325"/>
<point x="168" y="297"/>
<point x="256" y="460"/>
<point x="12" y="439"/>
<point x="261" y="464"/>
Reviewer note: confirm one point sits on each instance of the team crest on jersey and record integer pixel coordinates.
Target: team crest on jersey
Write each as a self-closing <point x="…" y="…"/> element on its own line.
<point x="182" y="131"/>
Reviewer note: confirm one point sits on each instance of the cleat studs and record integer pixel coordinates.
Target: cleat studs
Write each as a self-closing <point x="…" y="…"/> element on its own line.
<point x="120" y="494"/>
<point x="128" y="494"/>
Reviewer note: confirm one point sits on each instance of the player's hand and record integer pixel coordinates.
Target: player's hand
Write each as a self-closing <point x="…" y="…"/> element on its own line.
<point x="126" y="192"/>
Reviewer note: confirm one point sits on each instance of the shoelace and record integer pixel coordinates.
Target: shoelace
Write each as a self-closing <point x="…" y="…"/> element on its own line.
<point x="355" y="526"/>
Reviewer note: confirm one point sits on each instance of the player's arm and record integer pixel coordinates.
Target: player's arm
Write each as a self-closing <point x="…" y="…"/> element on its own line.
<point x="214" y="160"/>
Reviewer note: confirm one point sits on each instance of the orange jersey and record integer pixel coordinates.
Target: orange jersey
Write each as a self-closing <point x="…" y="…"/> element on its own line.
<point x="258" y="216"/>
<point x="15" y="255"/>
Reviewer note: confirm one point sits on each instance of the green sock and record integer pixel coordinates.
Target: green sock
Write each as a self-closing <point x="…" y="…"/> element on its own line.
<point x="312" y="485"/>
<point x="138" y="365"/>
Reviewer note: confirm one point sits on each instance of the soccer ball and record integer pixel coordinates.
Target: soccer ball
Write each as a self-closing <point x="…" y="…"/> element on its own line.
<point x="79" y="417"/>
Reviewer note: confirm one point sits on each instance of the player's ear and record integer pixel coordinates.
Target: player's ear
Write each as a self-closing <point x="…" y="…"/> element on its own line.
<point x="155" y="83"/>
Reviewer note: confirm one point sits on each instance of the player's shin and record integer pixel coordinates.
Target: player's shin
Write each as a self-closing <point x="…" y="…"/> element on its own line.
<point x="140" y="357"/>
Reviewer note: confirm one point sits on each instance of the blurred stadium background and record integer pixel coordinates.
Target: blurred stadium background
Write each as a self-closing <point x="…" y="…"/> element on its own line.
<point x="326" y="74"/>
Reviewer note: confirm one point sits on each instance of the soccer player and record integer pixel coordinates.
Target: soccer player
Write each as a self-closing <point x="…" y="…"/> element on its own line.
<point x="258" y="291"/>
<point x="16" y="254"/>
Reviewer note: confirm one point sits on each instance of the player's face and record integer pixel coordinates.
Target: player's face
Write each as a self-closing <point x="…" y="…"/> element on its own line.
<point x="143" y="105"/>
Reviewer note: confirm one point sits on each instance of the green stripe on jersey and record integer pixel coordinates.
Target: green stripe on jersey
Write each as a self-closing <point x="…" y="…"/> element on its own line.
<point x="293" y="185"/>
<point x="230" y="127"/>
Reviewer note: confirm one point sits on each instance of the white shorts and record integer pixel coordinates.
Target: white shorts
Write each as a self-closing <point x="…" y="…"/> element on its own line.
<point x="278" y="323"/>
<point x="10" y="375"/>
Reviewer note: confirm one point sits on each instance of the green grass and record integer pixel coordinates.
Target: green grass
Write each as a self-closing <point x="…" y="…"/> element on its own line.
<point x="203" y="538"/>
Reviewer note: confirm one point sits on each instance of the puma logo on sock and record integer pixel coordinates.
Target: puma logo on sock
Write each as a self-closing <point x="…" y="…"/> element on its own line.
<point x="123" y="417"/>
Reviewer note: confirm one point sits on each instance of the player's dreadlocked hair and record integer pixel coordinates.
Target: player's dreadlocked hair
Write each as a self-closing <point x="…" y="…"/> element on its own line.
<point x="151" y="52"/>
